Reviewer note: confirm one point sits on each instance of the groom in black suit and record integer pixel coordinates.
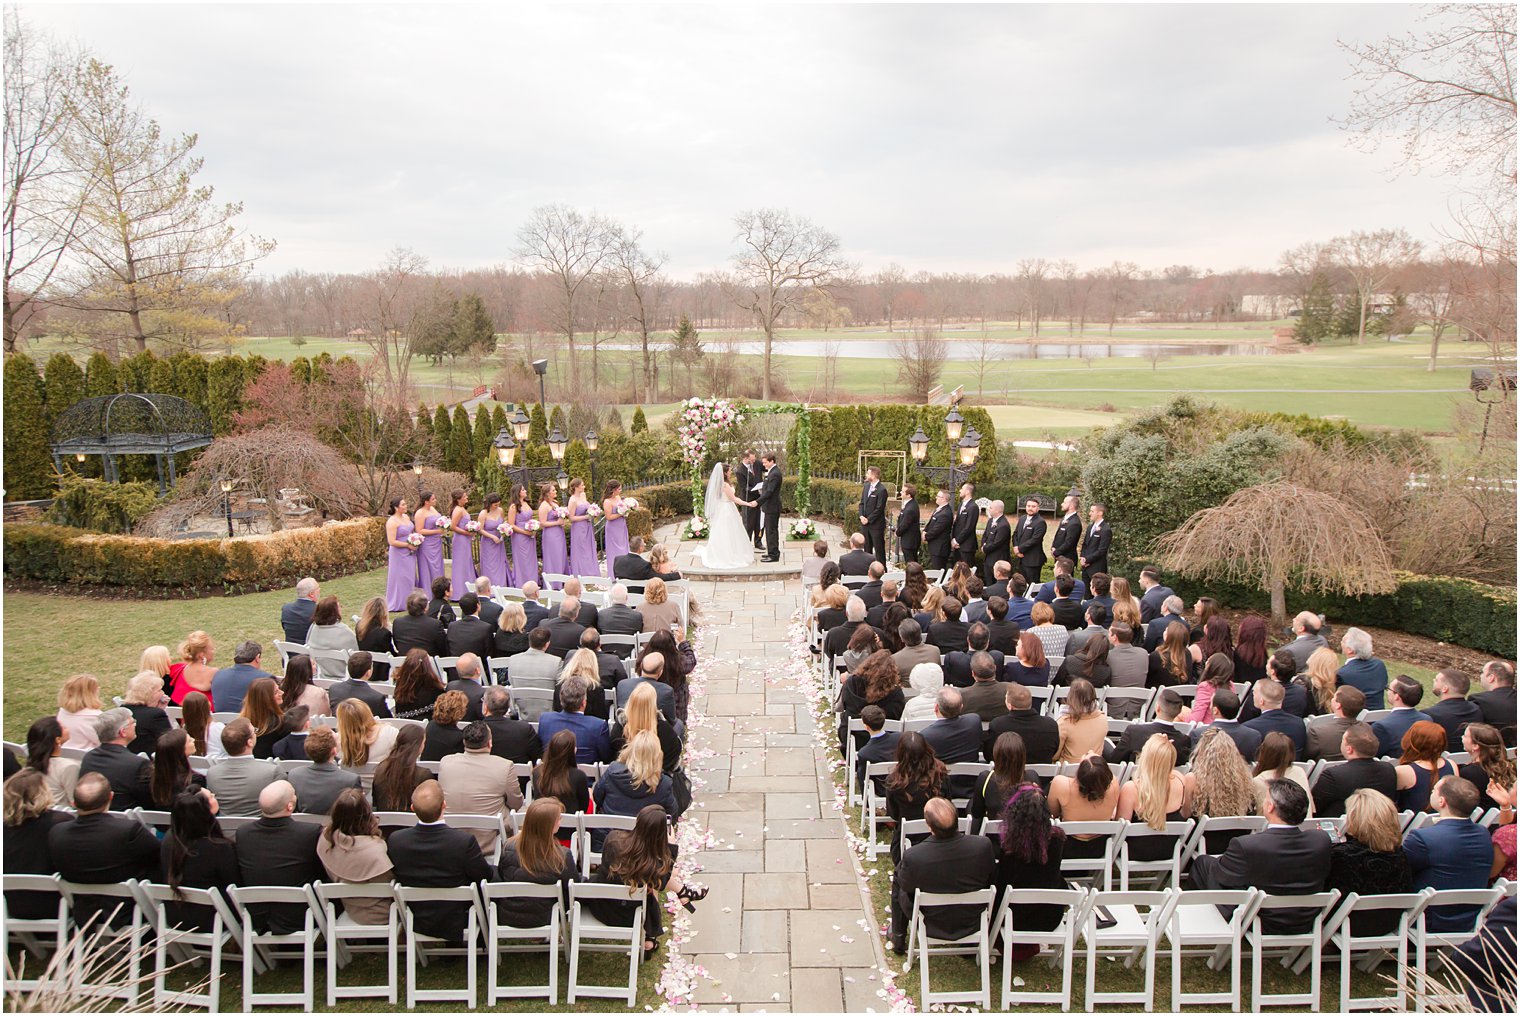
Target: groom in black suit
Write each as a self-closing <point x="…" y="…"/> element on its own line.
<point x="769" y="498"/>
<point x="873" y="514"/>
<point x="909" y="536"/>
<point x="749" y="474"/>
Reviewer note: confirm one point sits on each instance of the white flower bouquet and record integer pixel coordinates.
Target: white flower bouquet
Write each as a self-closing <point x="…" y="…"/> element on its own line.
<point x="697" y="528"/>
<point x="802" y="529"/>
<point x="415" y="539"/>
<point x="629" y="504"/>
<point x="593" y="511"/>
<point x="533" y="526"/>
<point x="472" y="526"/>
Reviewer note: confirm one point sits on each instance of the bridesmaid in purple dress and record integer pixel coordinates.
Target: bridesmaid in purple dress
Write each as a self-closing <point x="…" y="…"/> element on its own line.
<point x="615" y="527"/>
<point x="401" y="569"/>
<point x="582" y="532"/>
<point x="493" y="551"/>
<point x="461" y="546"/>
<point x="553" y="538"/>
<point x="524" y="542"/>
<point x="430" y="555"/>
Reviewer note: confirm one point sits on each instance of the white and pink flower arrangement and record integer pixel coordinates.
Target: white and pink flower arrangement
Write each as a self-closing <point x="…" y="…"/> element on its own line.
<point x="415" y="539"/>
<point x="696" y="529"/>
<point x="592" y="511"/>
<point x="472" y="526"/>
<point x="629" y="504"/>
<point x="802" y="529"/>
<point x="559" y="513"/>
<point x="700" y="417"/>
<point x="533" y="526"/>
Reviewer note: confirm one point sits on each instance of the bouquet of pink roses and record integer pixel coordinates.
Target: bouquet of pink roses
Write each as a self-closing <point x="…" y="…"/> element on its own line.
<point x="629" y="504"/>
<point x="415" y="539"/>
<point x="472" y="526"/>
<point x="533" y="526"/>
<point x="593" y="511"/>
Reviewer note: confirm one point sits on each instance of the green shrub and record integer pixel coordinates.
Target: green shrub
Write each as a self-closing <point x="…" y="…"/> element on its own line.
<point x="839" y="435"/>
<point x="100" y="506"/>
<point x="28" y="464"/>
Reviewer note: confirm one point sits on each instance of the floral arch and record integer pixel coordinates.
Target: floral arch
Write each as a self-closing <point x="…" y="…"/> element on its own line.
<point x="702" y="419"/>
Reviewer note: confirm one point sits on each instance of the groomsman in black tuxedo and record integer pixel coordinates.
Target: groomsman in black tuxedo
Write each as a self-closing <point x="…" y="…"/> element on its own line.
<point x="1029" y="541"/>
<point x="1095" y="544"/>
<point x="908" y="536"/>
<point x="769" y="497"/>
<point x="1068" y="533"/>
<point x="937" y="532"/>
<point x="995" y="539"/>
<point x="749" y="476"/>
<point x="963" y="530"/>
<point x="873" y="514"/>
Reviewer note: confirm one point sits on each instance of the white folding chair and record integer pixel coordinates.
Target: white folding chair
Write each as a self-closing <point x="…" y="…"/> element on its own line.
<point x="418" y="943"/>
<point x="121" y="923"/>
<point x="507" y="938"/>
<point x="592" y="935"/>
<point x="1260" y="940"/>
<point x="531" y="703"/>
<point x="225" y="932"/>
<point x="978" y="943"/>
<point x="620" y="646"/>
<point x="853" y="792"/>
<point x="1239" y="825"/>
<point x="1093" y="868"/>
<point x="343" y="932"/>
<point x="1128" y="703"/>
<point x="920" y="827"/>
<point x="1197" y="923"/>
<point x="31" y="932"/>
<point x="875" y="807"/>
<point x="591" y="858"/>
<point x="1339" y="931"/>
<point x="1167" y="872"/>
<point x="482" y="823"/>
<point x="287" y="650"/>
<point x="1062" y="938"/>
<point x="335" y="658"/>
<point x="1481" y="900"/>
<point x="256" y="942"/>
<point x="1187" y="692"/>
<point x="1134" y="934"/>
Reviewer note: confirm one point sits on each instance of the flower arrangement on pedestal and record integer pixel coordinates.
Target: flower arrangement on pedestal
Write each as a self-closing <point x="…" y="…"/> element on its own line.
<point x="698" y="419"/>
<point x="802" y="529"/>
<point x="695" y="529"/>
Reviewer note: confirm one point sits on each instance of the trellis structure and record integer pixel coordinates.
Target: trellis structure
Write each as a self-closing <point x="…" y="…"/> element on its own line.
<point x="130" y="423"/>
<point x="701" y="417"/>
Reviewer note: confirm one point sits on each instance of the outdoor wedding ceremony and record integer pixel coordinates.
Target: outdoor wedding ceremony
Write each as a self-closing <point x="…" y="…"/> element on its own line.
<point x="759" y="508"/>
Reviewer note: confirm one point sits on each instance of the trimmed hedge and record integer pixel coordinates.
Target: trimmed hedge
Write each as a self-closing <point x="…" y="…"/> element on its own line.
<point x="838" y="436"/>
<point x="59" y="555"/>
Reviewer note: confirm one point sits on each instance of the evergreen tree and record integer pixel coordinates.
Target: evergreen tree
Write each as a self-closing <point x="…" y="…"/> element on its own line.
<point x="538" y="427"/>
<point x="499" y="421"/>
<point x="1348" y="319"/>
<point x="162" y="378"/>
<point x="225" y="379"/>
<point x="300" y="370"/>
<point x="578" y="464"/>
<point x="442" y="434"/>
<point x="557" y="421"/>
<point x="100" y="376"/>
<point x="1316" y="320"/>
<point x="473" y="330"/>
<point x="190" y="377"/>
<point x="614" y="421"/>
<point x="136" y="372"/>
<point x="461" y="451"/>
<point x="640" y="424"/>
<point x="480" y="442"/>
<point x="27" y="461"/>
<point x="63" y="385"/>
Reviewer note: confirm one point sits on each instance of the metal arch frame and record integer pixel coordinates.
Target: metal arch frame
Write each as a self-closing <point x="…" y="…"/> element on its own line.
<point x="163" y="448"/>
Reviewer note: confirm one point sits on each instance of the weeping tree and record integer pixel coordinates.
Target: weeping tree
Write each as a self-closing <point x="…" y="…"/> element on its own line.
<point x="1272" y="532"/>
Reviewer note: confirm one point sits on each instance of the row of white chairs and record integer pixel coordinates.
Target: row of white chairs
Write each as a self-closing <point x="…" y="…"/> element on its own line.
<point x="1137" y="926"/>
<point x="623" y="646"/>
<point x="143" y="920"/>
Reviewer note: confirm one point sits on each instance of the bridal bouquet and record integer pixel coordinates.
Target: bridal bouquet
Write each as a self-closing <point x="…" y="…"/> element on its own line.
<point x="472" y="526"/>
<point x="415" y="539"/>
<point x="696" y="529"/>
<point x="560" y="513"/>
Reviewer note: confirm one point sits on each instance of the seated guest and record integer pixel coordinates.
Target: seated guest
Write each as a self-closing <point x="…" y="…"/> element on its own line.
<point x="642" y="859"/>
<point x="1128" y="666"/>
<point x="534" y="609"/>
<point x="955" y="735"/>
<point x="950" y="634"/>
<point x="475" y="782"/>
<point x="1451" y="708"/>
<point x="558" y="776"/>
<point x="1019" y="605"/>
<point x="1306" y="638"/>
<point x="438" y="607"/>
<point x="1155" y="795"/>
<point x="1062" y="566"/>
<point x="591" y="741"/>
<point x="193" y="672"/>
<point x="658" y="612"/>
<point x="430" y="855"/>
<point x="511" y="635"/>
<point x="1362" y="770"/>
<point x="1250" y="654"/>
<point x="1325" y="737"/>
<point x="1066" y="609"/>
<point x="863" y="642"/>
<point x="878" y="611"/>
<point x="1275" y="762"/>
<point x="1002" y="632"/>
<point x="880" y="746"/>
<point x="1498" y="702"/>
<point x="837" y="639"/>
<point x="986" y="696"/>
<point x="1371" y="861"/>
<point x="298" y="689"/>
<point x="1092" y="795"/>
<point x="812" y="566"/>
<point x="353" y="852"/>
<point x="196" y="855"/>
<point x="1170" y="662"/>
<point x="1281" y="860"/>
<point x="948" y="862"/>
<point x="399" y="775"/>
<point x="360" y="668"/>
<point x="680" y="661"/>
<point x="1040" y="733"/>
<point x="918" y="777"/>
<point x="957" y="664"/>
<point x="537" y="667"/>
<point x="1098" y="594"/>
<point x="29" y="818"/>
<point x="974" y="608"/>
<point x="470" y="634"/>
<point x="831" y="611"/>
<point x="1219" y="783"/>
<point x="664" y="567"/>
<point x="641" y="713"/>
<point x="610" y="669"/>
<point x="144" y="700"/>
<point x="1422" y="764"/>
<point x="374" y="635"/>
<point x="1042" y="626"/>
<point x="171" y="773"/>
<point x="78" y="708"/>
<point x="1362" y="671"/>
<point x="129" y="773"/>
<point x="1489" y="987"/>
<point x="857" y="560"/>
<point x="1224" y="707"/>
<point x="870" y="592"/>
<point x="998" y="587"/>
<point x="991" y="792"/>
<point x="1154" y="593"/>
<point x="1029" y="853"/>
<point x="874" y="682"/>
<point x="467" y="682"/>
<point x="535" y="855"/>
<point x="636" y="780"/>
<point x="277" y="850"/>
<point x="295" y="616"/>
<point x="1097" y="617"/>
<point x="417" y="686"/>
<point x="239" y="779"/>
<point x="1083" y="725"/>
<point x="1318" y="683"/>
<point x="318" y="785"/>
<point x="1212" y="635"/>
<point x="1029" y="666"/>
<point x="914" y="651"/>
<point x="44" y="754"/>
<point x="1134" y="737"/>
<point x="195" y="717"/>
<point x="98" y="848"/>
<point x="930" y="609"/>
<point x="925" y="682"/>
<point x="1454" y="852"/>
<point x="1404" y="693"/>
<point x="361" y="738"/>
<point x="230" y="684"/>
<point x="1491" y="770"/>
<point x="443" y="735"/>
<point x="617" y="618"/>
<point x="262" y="709"/>
<point x="329" y="632"/>
<point x="1171" y="613"/>
<point x="1090" y="664"/>
<point x="563" y="628"/>
<point x="1504" y="853"/>
<point x="587" y="616"/>
<point x="417" y="629"/>
<point x="511" y="738"/>
<point x="1274" y="718"/>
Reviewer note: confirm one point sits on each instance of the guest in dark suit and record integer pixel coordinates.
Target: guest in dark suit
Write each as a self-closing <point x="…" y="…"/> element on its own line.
<point x="1326" y="732"/>
<point x="1002" y="631"/>
<point x="1168" y="708"/>
<point x="295" y="616"/>
<point x="1453" y="852"/>
<point x="958" y="664"/>
<point x="416" y="630"/>
<point x="949" y="635"/>
<point x="986" y="696"/>
<point x="277" y="850"/>
<point x="870" y="593"/>
<point x="438" y="607"/>
<point x="1281" y="860"/>
<point x="1068" y="609"/>
<point x="1451" y="708"/>
<point x="937" y="530"/>
<point x="1273" y="717"/>
<point x="98" y="847"/>
<point x="467" y="682"/>
<point x="1068" y="533"/>
<point x="1040" y="733"/>
<point x="360" y="666"/>
<point x="997" y="539"/>
<point x="128" y="773"/>
<point x="963" y="529"/>
<point x="617" y="618"/>
<point x="1361" y="770"/>
<point x="1095" y="543"/>
<point x="1224" y="707"/>
<point x="1498" y="702"/>
<point x="1154" y="594"/>
<point x="29" y="819"/>
<point x="873" y="514"/>
<point x="534" y="610"/>
<point x="430" y="855"/>
<point x="470" y="634"/>
<point x="876" y="616"/>
<point x="296" y="723"/>
<point x="956" y="736"/>
<point x="490" y="610"/>
<point x="564" y="631"/>
<point x="1404" y="694"/>
<point x="1029" y="541"/>
<point x="857" y="560"/>
<point x="510" y="738"/>
<point x="880" y="746"/>
<point x="909" y="536"/>
<point x="949" y="861"/>
<point x="632" y="566"/>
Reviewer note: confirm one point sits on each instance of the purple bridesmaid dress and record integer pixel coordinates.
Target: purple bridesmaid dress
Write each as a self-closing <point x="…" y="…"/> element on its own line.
<point x="493" y="555"/>
<point x="430" y="555"/>
<point x="462" y="579"/>
<point x="615" y="535"/>
<point x="583" y="542"/>
<point x="524" y="555"/>
<point x="401" y="572"/>
<point x="555" y="559"/>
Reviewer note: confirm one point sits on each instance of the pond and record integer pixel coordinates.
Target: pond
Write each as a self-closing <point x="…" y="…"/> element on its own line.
<point x="964" y="348"/>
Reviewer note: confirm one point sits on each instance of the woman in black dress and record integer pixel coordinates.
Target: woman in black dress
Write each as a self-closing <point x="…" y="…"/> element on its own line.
<point x="1029" y="858"/>
<point x="29" y="815"/>
<point x="642" y="859"/>
<point x="172" y="774"/>
<point x="196" y="854"/>
<point x="374" y="634"/>
<point x="992" y="791"/>
<point x="558" y="776"/>
<point x="443" y="735"/>
<point x="534" y="855"/>
<point x="417" y="686"/>
<point x="399" y="774"/>
<point x="918" y="776"/>
<point x="1371" y="861"/>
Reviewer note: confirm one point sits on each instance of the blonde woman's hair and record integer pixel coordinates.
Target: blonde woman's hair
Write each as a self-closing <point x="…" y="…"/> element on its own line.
<point x="654" y="591"/>
<point x="79" y="693"/>
<point x="1372" y="819"/>
<point x="932" y="599"/>
<point x="644" y="759"/>
<point x="26" y="797"/>
<point x="1153" y="779"/>
<point x="1125" y="612"/>
<point x="156" y="659"/>
<point x="582" y="667"/>
<point x="836" y="596"/>
<point x="355" y="722"/>
<point x="196" y="644"/>
<point x="1319" y="672"/>
<point x="145" y="689"/>
<point x="1118" y="589"/>
<point x="639" y="714"/>
<point x="512" y="617"/>
<point x="371" y="616"/>
<point x="658" y="555"/>
<point x="1224" y="781"/>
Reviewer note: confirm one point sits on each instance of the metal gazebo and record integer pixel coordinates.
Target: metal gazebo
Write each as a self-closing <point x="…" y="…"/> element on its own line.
<point x="130" y="424"/>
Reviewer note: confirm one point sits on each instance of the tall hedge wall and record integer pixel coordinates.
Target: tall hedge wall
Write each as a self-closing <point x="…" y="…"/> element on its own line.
<point x="839" y="435"/>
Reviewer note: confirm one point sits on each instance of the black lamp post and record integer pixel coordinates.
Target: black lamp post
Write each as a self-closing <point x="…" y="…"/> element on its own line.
<point x="227" y="504"/>
<point x="965" y="446"/>
<point x="591" y="440"/>
<point x="417" y="475"/>
<point x="541" y="367"/>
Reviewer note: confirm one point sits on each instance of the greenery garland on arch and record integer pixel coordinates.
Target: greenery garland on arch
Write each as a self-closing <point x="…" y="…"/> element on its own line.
<point x="701" y="418"/>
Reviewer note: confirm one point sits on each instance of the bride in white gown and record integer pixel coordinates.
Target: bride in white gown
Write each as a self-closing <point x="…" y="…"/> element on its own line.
<point x="728" y="546"/>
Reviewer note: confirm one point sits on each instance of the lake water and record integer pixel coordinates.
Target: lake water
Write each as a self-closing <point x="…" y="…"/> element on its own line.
<point x="963" y="348"/>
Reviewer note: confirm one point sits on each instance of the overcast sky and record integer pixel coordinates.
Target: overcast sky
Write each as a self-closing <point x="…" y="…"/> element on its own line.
<point x="943" y="138"/>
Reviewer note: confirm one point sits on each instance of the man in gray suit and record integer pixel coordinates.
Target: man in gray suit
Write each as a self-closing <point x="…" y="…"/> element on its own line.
<point x="319" y="784"/>
<point x="536" y="668"/>
<point x="238" y="779"/>
<point x="1306" y="639"/>
<point x="914" y="651"/>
